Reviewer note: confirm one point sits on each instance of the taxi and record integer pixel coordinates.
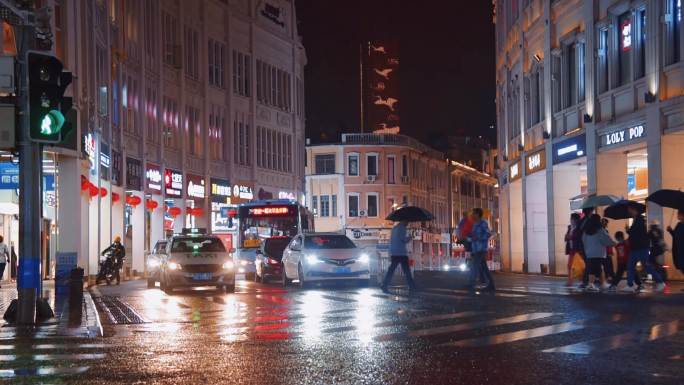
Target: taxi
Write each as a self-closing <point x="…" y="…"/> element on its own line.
<point x="196" y="259"/>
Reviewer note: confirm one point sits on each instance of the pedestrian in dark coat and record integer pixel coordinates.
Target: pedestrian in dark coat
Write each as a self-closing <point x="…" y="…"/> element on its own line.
<point x="678" y="241"/>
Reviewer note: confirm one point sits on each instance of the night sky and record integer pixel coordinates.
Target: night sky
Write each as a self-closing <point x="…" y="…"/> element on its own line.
<point x="446" y="64"/>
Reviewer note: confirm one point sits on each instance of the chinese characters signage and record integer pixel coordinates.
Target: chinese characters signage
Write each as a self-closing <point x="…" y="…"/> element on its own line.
<point x="173" y="183"/>
<point x="220" y="190"/>
<point x="153" y="178"/>
<point x="196" y="187"/>
<point x="514" y="171"/>
<point x="535" y="161"/>
<point x="9" y="176"/>
<point x="134" y="173"/>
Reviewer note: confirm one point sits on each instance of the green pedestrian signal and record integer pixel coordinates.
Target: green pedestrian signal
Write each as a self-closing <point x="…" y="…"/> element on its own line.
<point x="47" y="104"/>
<point x="52" y="123"/>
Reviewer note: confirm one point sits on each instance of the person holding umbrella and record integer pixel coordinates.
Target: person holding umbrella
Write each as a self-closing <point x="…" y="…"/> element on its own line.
<point x="678" y="241"/>
<point x="639" y="242"/>
<point x="479" y="236"/>
<point x="398" y="240"/>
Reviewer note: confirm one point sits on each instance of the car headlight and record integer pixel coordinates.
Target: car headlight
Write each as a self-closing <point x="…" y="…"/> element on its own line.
<point x="463" y="267"/>
<point x="229" y="265"/>
<point x="446" y="267"/>
<point x="153" y="263"/>
<point x="174" y="266"/>
<point x="244" y="263"/>
<point x="364" y="258"/>
<point x="312" y="259"/>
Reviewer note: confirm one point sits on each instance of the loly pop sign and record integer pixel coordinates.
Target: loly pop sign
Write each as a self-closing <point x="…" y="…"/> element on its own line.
<point x="623" y="136"/>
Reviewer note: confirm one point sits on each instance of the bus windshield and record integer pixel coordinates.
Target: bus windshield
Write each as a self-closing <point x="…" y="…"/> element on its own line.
<point x="258" y="222"/>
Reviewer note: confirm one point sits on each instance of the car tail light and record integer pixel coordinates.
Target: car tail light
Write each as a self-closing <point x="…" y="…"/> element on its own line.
<point x="272" y="261"/>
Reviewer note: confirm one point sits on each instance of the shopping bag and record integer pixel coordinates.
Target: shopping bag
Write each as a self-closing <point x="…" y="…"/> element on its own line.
<point x="578" y="266"/>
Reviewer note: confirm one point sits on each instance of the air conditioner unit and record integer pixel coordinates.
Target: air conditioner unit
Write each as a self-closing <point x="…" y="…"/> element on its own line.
<point x="362" y="213"/>
<point x="371" y="178"/>
<point x="404" y="179"/>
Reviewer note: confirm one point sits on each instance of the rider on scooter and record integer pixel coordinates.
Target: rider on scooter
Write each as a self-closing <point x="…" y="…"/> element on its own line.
<point x="118" y="253"/>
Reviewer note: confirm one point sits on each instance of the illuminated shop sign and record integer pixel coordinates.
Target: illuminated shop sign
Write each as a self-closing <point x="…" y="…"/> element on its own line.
<point x="286" y="195"/>
<point x="154" y="178"/>
<point x="514" y="171"/>
<point x="535" y="161"/>
<point x="623" y="136"/>
<point x="569" y="149"/>
<point x="626" y="34"/>
<point x="196" y="188"/>
<point x="220" y="190"/>
<point x="173" y="183"/>
<point x="243" y="192"/>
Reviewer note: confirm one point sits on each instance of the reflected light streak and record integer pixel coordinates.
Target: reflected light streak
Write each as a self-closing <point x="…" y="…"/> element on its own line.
<point x="313" y="309"/>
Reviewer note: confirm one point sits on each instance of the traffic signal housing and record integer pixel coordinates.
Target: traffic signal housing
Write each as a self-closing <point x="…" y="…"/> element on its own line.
<point x="47" y="105"/>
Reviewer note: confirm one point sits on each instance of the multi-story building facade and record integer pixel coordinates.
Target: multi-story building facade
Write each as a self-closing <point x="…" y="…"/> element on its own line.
<point x="588" y="102"/>
<point x="353" y="185"/>
<point x="184" y="104"/>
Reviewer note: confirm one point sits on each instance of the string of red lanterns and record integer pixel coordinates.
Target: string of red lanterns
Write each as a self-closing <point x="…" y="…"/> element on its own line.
<point x="173" y="211"/>
<point x="133" y="200"/>
<point x="151" y="204"/>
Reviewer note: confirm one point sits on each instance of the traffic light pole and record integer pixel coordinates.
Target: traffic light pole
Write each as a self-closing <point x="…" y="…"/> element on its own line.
<point x="30" y="203"/>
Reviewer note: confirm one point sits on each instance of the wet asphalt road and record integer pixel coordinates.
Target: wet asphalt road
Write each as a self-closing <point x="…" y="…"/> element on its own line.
<point x="531" y="331"/>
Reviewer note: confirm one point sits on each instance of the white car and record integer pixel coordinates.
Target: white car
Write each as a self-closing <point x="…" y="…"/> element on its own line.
<point x="316" y="257"/>
<point x="196" y="260"/>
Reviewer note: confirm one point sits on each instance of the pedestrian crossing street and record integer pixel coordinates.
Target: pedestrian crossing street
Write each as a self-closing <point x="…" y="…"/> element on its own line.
<point x="369" y="316"/>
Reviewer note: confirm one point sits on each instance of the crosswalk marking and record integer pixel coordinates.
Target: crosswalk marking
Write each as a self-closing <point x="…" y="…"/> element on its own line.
<point x="468" y="294"/>
<point x="521" y="335"/>
<point x="621" y="340"/>
<point x="466" y="326"/>
<point x="437" y="317"/>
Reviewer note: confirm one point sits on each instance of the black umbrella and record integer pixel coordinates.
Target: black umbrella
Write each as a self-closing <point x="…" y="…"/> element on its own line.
<point x="619" y="209"/>
<point x="410" y="214"/>
<point x="673" y="199"/>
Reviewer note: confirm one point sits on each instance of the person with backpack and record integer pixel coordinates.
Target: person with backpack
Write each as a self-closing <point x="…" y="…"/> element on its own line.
<point x="678" y="241"/>
<point x="579" y="231"/>
<point x="622" y="257"/>
<point x="596" y="239"/>
<point x="657" y="250"/>
<point x="571" y="244"/>
<point x="640" y="244"/>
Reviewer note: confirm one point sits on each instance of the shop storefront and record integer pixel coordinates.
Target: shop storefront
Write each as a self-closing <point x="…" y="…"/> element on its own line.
<point x="134" y="213"/>
<point x="515" y="217"/>
<point x="173" y="201"/>
<point x="570" y="186"/>
<point x="223" y="224"/>
<point x="537" y="228"/>
<point x="196" y="191"/>
<point x="622" y="163"/>
<point x="154" y="206"/>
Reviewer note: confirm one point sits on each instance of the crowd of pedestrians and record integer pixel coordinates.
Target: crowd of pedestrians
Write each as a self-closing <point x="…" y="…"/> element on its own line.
<point x="591" y="249"/>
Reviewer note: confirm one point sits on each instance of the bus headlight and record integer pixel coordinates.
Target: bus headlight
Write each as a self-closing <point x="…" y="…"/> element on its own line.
<point x="312" y="259"/>
<point x="229" y="265"/>
<point x="174" y="266"/>
<point x="364" y="258"/>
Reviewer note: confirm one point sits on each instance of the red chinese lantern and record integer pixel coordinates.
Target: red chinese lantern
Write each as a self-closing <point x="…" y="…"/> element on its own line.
<point x="232" y="213"/>
<point x="151" y="204"/>
<point x="115" y="197"/>
<point x="133" y="200"/>
<point x="103" y="192"/>
<point x="84" y="183"/>
<point x="174" y="211"/>
<point x="198" y="212"/>
<point x="93" y="190"/>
